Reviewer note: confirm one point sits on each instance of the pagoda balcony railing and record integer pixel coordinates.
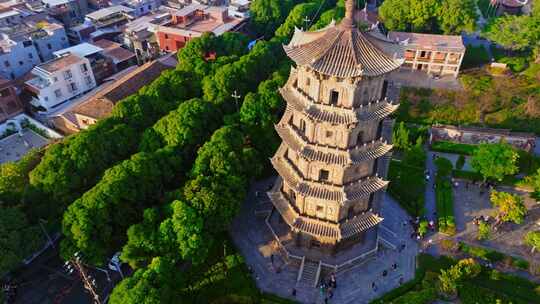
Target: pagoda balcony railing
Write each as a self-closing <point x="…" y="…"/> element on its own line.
<point x="423" y="59"/>
<point x="304" y="141"/>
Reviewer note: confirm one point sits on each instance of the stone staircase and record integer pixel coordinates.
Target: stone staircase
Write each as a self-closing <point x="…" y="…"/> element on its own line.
<point x="309" y="273"/>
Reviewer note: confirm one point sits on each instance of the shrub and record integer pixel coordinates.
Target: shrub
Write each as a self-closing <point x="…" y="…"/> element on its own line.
<point x="449" y="245"/>
<point x="445" y="206"/>
<point x="520" y="263"/>
<point x="484" y="231"/>
<point x="444" y="166"/>
<point x="475" y="56"/>
<point x="452" y="147"/>
<point x="407" y="186"/>
<point x="469" y="175"/>
<point x="479" y="252"/>
<point x="460" y="162"/>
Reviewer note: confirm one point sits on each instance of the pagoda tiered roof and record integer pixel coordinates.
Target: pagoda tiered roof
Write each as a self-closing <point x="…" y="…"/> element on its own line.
<point x="341" y="51"/>
<point x="318" y="228"/>
<point x="330" y="155"/>
<point x="339" y="193"/>
<point x="375" y="110"/>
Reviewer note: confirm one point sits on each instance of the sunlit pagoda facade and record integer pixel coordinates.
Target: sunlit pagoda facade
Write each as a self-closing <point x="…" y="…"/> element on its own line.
<point x="336" y="136"/>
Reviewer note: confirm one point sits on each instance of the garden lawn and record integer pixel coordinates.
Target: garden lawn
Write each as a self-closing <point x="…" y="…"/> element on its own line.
<point x="506" y="101"/>
<point x="407" y="186"/>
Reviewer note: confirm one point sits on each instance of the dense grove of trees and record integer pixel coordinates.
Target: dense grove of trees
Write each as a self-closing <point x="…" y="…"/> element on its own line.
<point x="429" y="16"/>
<point x="160" y="178"/>
<point x="516" y="32"/>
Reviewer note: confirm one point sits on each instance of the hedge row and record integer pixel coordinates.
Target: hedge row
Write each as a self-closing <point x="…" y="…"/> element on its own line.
<point x="452" y="147"/>
<point x="445" y="206"/>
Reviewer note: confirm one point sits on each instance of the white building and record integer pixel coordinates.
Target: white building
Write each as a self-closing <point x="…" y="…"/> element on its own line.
<point x="60" y="80"/>
<point x="239" y="8"/>
<point x="140" y="7"/>
<point x="24" y="45"/>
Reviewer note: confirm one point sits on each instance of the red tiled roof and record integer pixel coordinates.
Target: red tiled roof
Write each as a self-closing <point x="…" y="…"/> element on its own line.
<point x="106" y="44"/>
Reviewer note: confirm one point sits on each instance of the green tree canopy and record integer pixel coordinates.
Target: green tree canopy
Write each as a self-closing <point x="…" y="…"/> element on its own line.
<point x="431" y="16"/>
<point x="261" y="110"/>
<point x="159" y="283"/>
<point x="401" y="137"/>
<point x="495" y="161"/>
<point x="268" y="15"/>
<point x="14" y="177"/>
<point x="532" y="238"/>
<point x="511" y="207"/>
<point x="189" y="125"/>
<point x="18" y="239"/>
<point x="96" y="223"/>
<point x="444" y="166"/>
<point x="514" y="32"/>
<point x="455" y="16"/>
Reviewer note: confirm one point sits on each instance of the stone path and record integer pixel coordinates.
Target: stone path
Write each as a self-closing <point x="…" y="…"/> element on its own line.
<point x="354" y="285"/>
<point x="430" y="203"/>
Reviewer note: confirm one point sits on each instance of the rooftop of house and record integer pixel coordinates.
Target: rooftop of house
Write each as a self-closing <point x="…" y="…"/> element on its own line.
<point x="60" y="63"/>
<point x="15" y="146"/>
<point x="216" y="20"/>
<point x="429" y="41"/>
<point x="10" y="13"/>
<point x="84" y="49"/>
<point x="108" y="11"/>
<point x="114" y="50"/>
<point x="32" y="27"/>
<point x="510" y="3"/>
<point x="53" y="3"/>
<point x="145" y="23"/>
<point x="100" y="105"/>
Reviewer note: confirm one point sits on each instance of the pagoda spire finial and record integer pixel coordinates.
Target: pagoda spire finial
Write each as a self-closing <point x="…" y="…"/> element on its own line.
<point x="348" y="20"/>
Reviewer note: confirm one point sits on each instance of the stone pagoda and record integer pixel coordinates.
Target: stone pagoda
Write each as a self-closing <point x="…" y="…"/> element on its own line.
<point x="336" y="136"/>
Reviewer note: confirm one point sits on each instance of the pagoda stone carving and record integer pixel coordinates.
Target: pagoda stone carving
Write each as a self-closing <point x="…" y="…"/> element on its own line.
<point x="336" y="135"/>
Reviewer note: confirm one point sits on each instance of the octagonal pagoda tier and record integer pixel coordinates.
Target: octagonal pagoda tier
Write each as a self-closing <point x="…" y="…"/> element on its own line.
<point x="336" y="135"/>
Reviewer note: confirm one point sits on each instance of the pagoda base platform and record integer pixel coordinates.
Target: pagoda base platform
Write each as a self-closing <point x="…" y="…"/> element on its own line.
<point x="331" y="256"/>
<point x="278" y="266"/>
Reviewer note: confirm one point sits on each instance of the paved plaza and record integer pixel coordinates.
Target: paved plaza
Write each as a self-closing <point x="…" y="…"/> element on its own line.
<point x="418" y="79"/>
<point x="354" y="285"/>
<point x="474" y="202"/>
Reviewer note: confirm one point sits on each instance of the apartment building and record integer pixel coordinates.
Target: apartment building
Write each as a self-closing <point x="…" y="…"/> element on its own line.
<point x="192" y="21"/>
<point x="101" y="66"/>
<point x="139" y="35"/>
<point x="60" y="80"/>
<point x="26" y="44"/>
<point x="140" y="7"/>
<point x="437" y="55"/>
<point x="69" y="12"/>
<point x="110" y="16"/>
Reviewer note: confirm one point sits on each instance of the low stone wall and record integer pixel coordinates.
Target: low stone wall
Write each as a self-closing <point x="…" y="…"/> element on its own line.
<point x="474" y="135"/>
